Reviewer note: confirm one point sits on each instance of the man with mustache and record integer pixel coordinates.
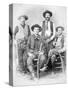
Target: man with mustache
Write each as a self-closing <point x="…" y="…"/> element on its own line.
<point x="48" y="30"/>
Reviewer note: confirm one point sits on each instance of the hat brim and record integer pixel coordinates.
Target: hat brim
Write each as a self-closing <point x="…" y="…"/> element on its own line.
<point x="36" y="25"/>
<point x="39" y="30"/>
<point x="24" y="16"/>
<point x="59" y="27"/>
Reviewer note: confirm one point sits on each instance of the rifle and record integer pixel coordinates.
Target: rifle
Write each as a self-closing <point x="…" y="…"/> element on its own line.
<point x="38" y="63"/>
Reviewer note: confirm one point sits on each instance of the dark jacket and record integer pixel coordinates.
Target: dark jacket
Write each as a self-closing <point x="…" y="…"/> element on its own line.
<point x="36" y="43"/>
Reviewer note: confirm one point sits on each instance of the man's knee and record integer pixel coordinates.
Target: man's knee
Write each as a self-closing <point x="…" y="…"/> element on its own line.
<point x="29" y="61"/>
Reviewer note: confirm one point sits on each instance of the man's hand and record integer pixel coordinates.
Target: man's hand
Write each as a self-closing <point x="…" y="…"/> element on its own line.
<point x="30" y="54"/>
<point x="31" y="51"/>
<point x="54" y="43"/>
<point x="48" y="40"/>
<point x="52" y="52"/>
<point x="41" y="52"/>
<point x="61" y="50"/>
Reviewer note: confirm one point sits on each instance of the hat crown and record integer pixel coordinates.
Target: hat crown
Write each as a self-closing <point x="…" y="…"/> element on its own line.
<point x="36" y="25"/>
<point x="24" y="16"/>
<point x="47" y="11"/>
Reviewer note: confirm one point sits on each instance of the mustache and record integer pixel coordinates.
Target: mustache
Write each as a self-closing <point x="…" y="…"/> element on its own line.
<point x="48" y="17"/>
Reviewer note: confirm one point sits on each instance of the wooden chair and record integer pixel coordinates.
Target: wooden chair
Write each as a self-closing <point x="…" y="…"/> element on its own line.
<point x="38" y="67"/>
<point x="59" y="64"/>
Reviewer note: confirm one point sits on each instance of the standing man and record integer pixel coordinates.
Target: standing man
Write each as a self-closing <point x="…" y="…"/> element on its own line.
<point x="21" y="34"/>
<point x="48" y="28"/>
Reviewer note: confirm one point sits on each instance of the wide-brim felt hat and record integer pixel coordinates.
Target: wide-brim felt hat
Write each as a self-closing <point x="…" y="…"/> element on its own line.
<point x="24" y="16"/>
<point x="47" y="11"/>
<point x="36" y="25"/>
<point x="59" y="27"/>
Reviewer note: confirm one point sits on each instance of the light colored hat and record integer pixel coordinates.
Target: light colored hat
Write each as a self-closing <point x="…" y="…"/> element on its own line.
<point x="26" y="17"/>
<point x="59" y="27"/>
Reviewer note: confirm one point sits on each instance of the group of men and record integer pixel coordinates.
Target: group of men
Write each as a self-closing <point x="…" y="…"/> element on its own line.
<point x="30" y="46"/>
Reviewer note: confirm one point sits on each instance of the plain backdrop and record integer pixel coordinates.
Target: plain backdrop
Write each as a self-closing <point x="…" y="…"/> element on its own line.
<point x="35" y="14"/>
<point x="4" y="46"/>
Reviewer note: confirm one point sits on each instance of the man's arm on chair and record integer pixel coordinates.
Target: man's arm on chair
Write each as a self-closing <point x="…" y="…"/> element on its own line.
<point x="62" y="50"/>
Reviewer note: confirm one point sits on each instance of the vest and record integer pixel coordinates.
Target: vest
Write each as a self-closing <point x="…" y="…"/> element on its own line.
<point x="59" y="42"/>
<point x="23" y="32"/>
<point x="35" y="42"/>
<point x="44" y="30"/>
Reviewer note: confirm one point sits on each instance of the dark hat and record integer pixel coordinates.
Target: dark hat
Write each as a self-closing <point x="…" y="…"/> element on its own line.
<point x="59" y="27"/>
<point x="36" y="25"/>
<point x="26" y="17"/>
<point x="47" y="11"/>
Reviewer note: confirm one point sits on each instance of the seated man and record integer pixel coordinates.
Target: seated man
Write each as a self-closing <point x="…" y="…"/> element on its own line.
<point x="35" y="47"/>
<point x="58" y="44"/>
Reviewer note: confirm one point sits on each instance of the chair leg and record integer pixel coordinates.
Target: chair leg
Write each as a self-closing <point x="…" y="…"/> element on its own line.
<point x="62" y="63"/>
<point x="38" y="68"/>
